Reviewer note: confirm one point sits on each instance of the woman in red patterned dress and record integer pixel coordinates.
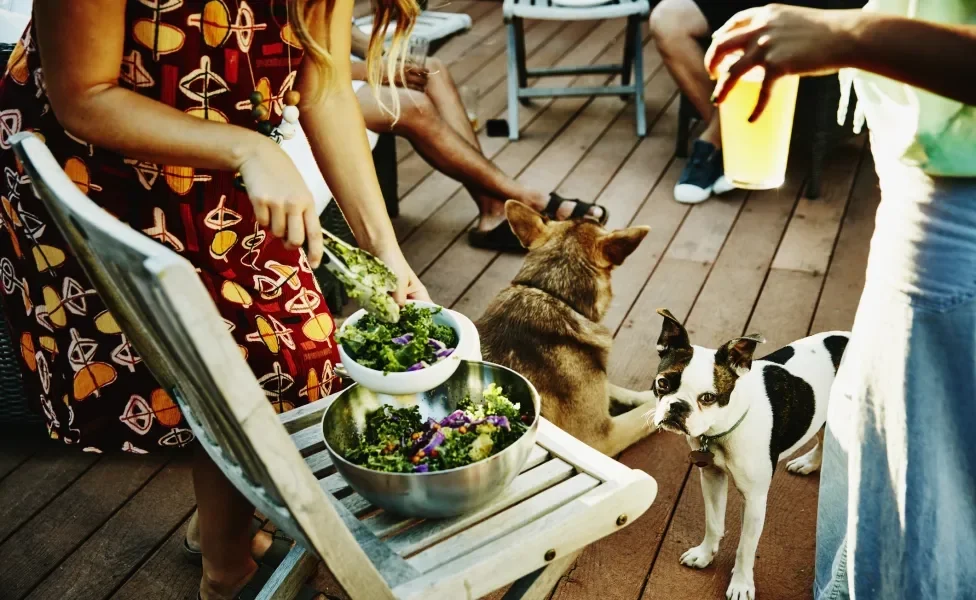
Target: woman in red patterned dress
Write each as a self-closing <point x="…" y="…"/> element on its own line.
<point x="151" y="108"/>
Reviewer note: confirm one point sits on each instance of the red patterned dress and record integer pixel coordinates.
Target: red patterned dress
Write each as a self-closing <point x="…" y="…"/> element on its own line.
<point x="204" y="58"/>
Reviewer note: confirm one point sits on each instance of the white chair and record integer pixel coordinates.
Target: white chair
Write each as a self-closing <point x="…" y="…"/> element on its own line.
<point x="631" y="71"/>
<point x="567" y="497"/>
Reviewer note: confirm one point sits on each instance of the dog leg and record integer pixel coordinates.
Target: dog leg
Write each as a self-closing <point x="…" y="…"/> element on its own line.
<point x="626" y="430"/>
<point x="715" y="489"/>
<point x="743" y="586"/>
<point x="809" y="462"/>
<point x="629" y="397"/>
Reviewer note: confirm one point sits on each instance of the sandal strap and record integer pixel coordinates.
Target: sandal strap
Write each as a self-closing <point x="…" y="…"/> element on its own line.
<point x="580" y="208"/>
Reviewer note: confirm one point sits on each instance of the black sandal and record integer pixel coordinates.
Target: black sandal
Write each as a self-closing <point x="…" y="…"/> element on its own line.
<point x="503" y="239"/>
<point x="580" y="210"/>
<point x="279" y="548"/>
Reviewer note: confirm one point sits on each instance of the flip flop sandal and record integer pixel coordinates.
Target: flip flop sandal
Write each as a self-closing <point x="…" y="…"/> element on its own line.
<point x="253" y="588"/>
<point x="499" y="239"/>
<point x="580" y="210"/>
<point x="280" y="545"/>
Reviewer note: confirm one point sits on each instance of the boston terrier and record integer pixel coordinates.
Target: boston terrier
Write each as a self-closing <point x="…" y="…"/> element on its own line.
<point x="740" y="417"/>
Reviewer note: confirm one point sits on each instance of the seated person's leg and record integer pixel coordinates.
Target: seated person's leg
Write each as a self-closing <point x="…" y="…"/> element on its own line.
<point x="678" y="26"/>
<point x="436" y="124"/>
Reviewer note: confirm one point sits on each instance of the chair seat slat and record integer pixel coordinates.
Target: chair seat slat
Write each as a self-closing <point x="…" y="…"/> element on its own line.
<point x="503" y="523"/>
<point x="527" y="485"/>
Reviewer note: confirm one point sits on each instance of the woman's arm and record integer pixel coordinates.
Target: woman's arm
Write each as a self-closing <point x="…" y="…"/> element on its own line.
<point x="333" y="123"/>
<point x="938" y="58"/>
<point x="792" y="40"/>
<point x="81" y="47"/>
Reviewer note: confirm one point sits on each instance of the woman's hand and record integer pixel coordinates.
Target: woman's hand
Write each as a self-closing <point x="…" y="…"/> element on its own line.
<point x="281" y="200"/>
<point x="784" y="40"/>
<point x="408" y="284"/>
<point x="414" y="77"/>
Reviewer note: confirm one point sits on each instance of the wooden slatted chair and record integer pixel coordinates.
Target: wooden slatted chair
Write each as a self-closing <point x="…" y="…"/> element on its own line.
<point x="567" y="497"/>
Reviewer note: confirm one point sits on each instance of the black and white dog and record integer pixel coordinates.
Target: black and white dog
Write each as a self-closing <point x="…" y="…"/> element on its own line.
<point x="740" y="417"/>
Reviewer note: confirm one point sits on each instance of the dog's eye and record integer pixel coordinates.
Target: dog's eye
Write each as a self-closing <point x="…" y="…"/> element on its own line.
<point x="706" y="398"/>
<point x="662" y="386"/>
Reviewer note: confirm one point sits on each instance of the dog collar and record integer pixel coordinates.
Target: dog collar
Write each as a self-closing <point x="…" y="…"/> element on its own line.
<point x="703" y="457"/>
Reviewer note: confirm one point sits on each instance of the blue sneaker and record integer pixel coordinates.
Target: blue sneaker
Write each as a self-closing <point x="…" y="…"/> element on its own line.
<point x="703" y="175"/>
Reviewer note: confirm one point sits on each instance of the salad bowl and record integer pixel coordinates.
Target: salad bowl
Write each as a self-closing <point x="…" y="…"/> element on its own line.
<point x="408" y="382"/>
<point x="434" y="494"/>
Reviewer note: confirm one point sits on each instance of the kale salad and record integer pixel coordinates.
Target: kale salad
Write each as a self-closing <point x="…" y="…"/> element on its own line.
<point x="398" y="440"/>
<point x="412" y="343"/>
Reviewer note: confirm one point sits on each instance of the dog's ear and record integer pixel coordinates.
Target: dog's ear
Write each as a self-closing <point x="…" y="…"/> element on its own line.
<point x="737" y="354"/>
<point x="618" y="245"/>
<point x="528" y="225"/>
<point x="673" y="334"/>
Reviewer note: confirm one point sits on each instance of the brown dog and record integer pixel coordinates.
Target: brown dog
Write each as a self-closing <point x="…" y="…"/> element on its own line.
<point x="546" y="326"/>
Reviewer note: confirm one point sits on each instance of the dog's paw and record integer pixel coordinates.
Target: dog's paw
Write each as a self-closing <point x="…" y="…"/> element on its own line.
<point x="698" y="557"/>
<point x="804" y="465"/>
<point x="741" y="589"/>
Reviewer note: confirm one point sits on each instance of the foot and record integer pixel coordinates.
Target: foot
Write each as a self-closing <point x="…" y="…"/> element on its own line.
<point x="698" y="557"/>
<point x="260" y="543"/>
<point x="806" y="464"/>
<point x="493" y="214"/>
<point x="741" y="588"/>
<point x="225" y="587"/>
<point x="702" y="176"/>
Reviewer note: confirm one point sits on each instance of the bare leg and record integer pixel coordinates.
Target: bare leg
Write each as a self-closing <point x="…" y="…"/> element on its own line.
<point x="715" y="489"/>
<point x="443" y="92"/>
<point x="676" y="26"/>
<point x="437" y="126"/>
<point x="224" y="517"/>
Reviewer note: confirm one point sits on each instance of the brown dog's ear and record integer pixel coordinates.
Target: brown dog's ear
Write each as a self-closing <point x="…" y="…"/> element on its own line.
<point x="737" y="354"/>
<point x="618" y="245"/>
<point x="529" y="226"/>
<point x="673" y="334"/>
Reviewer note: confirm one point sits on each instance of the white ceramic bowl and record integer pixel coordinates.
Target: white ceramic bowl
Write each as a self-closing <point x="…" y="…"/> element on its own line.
<point x="410" y="382"/>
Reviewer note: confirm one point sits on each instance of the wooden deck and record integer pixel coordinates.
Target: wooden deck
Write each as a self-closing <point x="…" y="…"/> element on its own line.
<point x="81" y="526"/>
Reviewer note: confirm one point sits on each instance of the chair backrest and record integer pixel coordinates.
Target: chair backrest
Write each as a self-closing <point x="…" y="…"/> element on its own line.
<point x="160" y="303"/>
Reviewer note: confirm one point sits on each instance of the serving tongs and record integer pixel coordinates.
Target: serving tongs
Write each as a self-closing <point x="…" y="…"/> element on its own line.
<point x="366" y="278"/>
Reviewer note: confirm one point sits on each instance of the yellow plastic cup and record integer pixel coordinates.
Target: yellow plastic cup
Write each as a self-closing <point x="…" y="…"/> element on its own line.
<point x="755" y="154"/>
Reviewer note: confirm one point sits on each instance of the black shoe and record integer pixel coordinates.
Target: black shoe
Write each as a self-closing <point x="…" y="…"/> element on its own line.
<point x="703" y="176"/>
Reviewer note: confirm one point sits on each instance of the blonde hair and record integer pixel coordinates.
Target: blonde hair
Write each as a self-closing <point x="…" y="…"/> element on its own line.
<point x="403" y="12"/>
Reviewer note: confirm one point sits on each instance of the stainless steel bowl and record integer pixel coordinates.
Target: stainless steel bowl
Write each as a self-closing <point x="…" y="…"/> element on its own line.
<point x="442" y="493"/>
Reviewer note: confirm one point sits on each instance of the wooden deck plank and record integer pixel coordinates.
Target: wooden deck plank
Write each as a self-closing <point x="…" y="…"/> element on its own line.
<point x="555" y="166"/>
<point x="165" y="576"/>
<point x="17" y="446"/>
<point x="845" y="278"/>
<point x="126" y="540"/>
<point x="37" y="482"/>
<point x="29" y="556"/>
<point x="809" y="240"/>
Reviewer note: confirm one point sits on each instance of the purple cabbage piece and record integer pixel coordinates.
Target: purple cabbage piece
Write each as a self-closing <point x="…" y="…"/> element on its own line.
<point x="436" y="344"/>
<point x="434" y="442"/>
<point x="497" y="421"/>
<point x="403" y="340"/>
<point x="421" y="365"/>
<point x="444" y="353"/>
<point x="421" y="468"/>
<point x="455" y="419"/>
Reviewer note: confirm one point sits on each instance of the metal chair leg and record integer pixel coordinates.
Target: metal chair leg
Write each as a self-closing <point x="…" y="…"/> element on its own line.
<point x="513" y="82"/>
<point x="638" y="57"/>
<point x="628" y="63"/>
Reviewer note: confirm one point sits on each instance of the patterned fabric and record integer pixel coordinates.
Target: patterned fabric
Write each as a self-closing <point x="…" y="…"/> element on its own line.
<point x="204" y="58"/>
